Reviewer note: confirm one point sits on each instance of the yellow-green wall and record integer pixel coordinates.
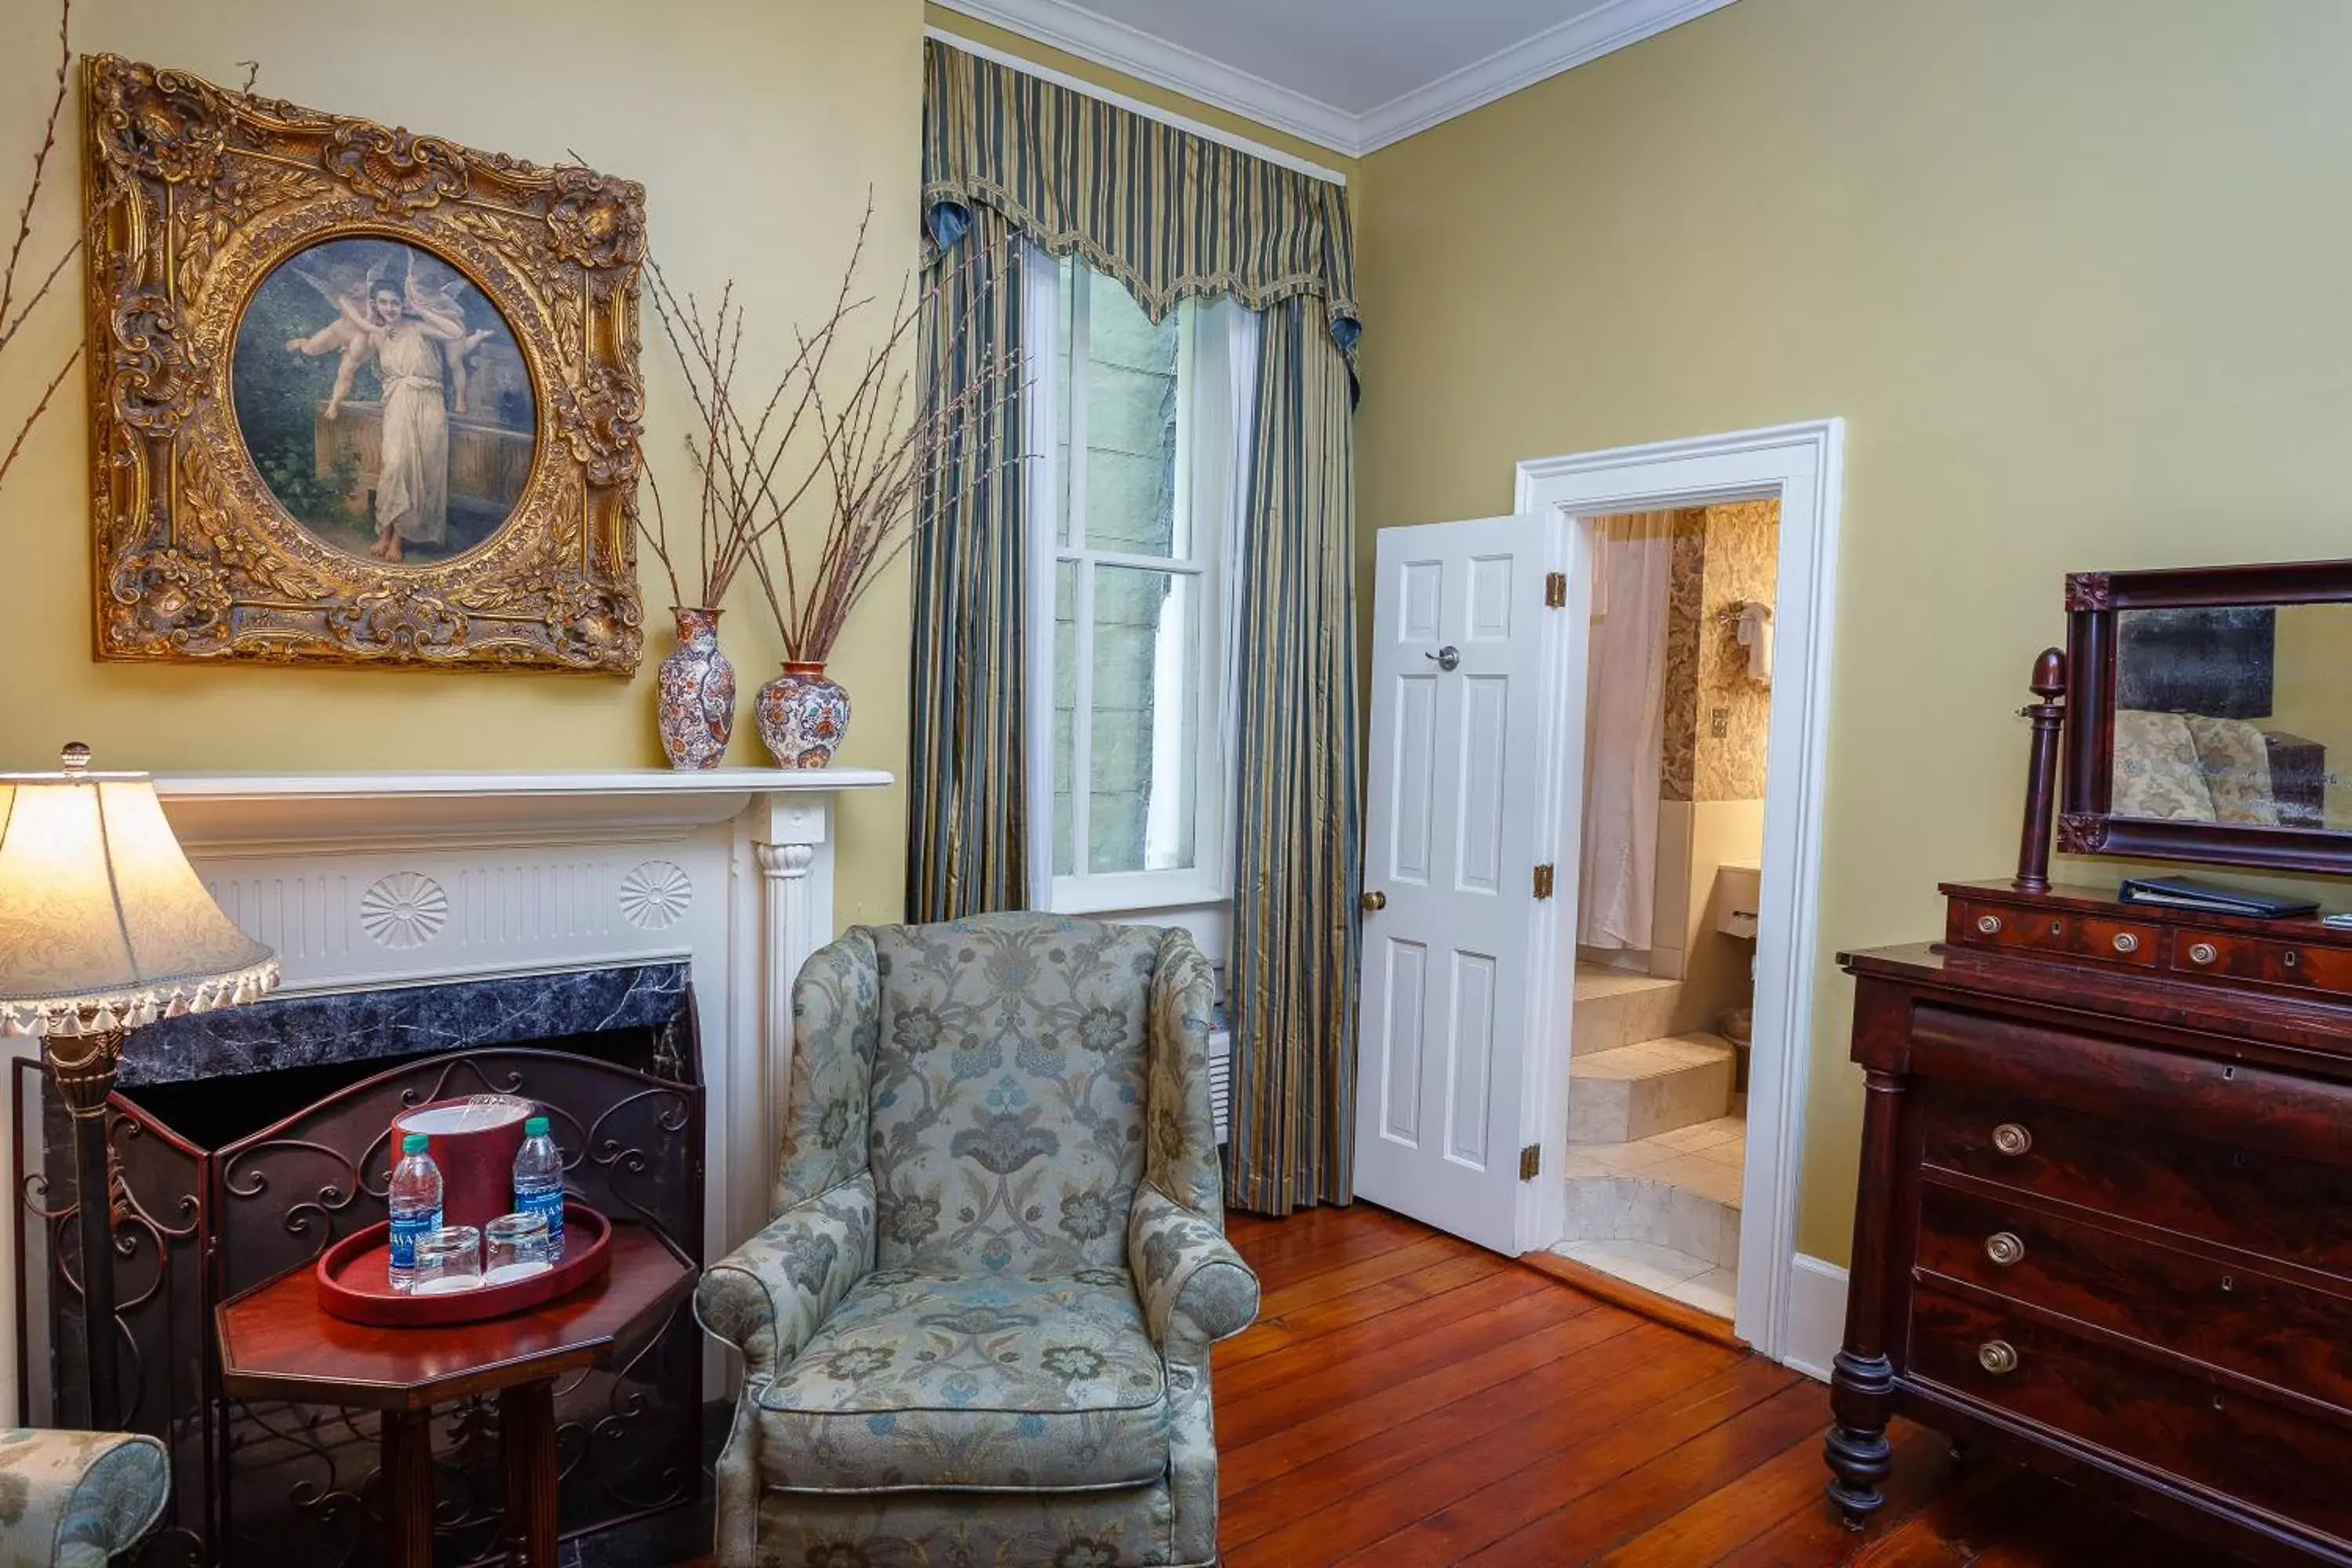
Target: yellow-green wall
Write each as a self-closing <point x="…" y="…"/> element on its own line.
<point x="2078" y="276"/>
<point x="757" y="127"/>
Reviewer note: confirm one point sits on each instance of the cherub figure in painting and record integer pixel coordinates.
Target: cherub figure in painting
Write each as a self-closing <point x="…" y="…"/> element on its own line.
<point x="404" y="334"/>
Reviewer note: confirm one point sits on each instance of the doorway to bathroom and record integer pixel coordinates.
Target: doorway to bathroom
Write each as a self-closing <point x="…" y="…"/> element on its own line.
<point x="1677" y="707"/>
<point x="1473" y="842"/>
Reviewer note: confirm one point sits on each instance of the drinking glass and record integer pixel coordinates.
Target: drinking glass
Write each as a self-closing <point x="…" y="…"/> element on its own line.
<point x="448" y="1260"/>
<point x="517" y="1247"/>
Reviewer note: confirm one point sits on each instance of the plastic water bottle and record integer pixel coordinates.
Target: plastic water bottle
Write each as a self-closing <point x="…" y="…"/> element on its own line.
<point x="416" y="1206"/>
<point x="539" y="1181"/>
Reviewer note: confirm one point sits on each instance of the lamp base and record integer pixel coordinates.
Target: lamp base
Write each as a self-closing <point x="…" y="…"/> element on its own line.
<point x="84" y="1068"/>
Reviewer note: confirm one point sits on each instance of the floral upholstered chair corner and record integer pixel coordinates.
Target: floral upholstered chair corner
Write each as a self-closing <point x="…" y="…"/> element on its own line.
<point x="73" y="1499"/>
<point x="979" y="1330"/>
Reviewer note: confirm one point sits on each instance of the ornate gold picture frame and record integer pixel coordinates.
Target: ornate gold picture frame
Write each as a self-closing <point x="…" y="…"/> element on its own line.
<point x="357" y="396"/>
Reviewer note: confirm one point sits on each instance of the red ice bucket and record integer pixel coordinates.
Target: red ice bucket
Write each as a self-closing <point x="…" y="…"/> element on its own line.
<point x="474" y="1141"/>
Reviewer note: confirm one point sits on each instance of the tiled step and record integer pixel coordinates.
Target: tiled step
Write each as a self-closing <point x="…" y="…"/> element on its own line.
<point x="1634" y="1091"/>
<point x="1695" y="1281"/>
<point x="1616" y="1007"/>
<point x="1661" y="1212"/>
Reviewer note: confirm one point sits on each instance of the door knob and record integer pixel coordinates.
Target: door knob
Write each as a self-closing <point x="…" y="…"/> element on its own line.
<point x="1374" y="902"/>
<point x="1447" y="657"/>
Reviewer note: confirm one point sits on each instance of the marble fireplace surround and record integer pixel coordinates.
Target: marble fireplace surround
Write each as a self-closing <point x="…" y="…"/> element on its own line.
<point x="370" y="881"/>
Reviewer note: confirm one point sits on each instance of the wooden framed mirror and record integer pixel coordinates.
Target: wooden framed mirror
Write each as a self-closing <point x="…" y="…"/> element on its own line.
<point x="2210" y="715"/>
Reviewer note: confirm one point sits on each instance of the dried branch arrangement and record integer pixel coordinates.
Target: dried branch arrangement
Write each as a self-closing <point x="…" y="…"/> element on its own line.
<point x="868" y="451"/>
<point x="13" y="312"/>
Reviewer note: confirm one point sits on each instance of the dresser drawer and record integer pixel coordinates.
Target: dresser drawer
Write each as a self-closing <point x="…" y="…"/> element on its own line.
<point x="2265" y="1204"/>
<point x="2229" y="1316"/>
<point x="2115" y="1076"/>
<point x="2273" y="961"/>
<point x="2256" y="1453"/>
<point x="2019" y="927"/>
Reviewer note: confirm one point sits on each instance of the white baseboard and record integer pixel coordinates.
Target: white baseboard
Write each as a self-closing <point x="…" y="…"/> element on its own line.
<point x="1816" y="1316"/>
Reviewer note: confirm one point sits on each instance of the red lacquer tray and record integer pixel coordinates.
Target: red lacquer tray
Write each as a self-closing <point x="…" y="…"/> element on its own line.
<point x="355" y="1284"/>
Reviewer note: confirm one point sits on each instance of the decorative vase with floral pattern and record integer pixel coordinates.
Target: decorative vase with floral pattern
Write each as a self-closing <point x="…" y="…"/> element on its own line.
<point x="802" y="716"/>
<point x="697" y="693"/>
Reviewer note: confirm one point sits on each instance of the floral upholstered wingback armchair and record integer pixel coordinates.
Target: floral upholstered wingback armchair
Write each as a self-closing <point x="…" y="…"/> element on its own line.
<point x="978" y="1331"/>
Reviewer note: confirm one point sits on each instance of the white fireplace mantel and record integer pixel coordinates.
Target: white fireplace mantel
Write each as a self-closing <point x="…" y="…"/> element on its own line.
<point x="368" y="880"/>
<point x="220" y="813"/>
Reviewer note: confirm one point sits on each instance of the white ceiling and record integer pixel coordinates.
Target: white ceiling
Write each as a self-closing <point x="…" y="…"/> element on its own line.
<point x="1349" y="75"/>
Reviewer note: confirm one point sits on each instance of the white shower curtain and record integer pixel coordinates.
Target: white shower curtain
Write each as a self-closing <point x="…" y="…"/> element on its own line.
<point x="1624" y="730"/>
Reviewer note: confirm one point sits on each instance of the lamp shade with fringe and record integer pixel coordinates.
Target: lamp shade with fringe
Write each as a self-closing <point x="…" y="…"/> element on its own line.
<point x="104" y="926"/>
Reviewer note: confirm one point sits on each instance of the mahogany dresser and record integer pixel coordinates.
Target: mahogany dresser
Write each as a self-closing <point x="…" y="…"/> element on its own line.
<point x="2104" y="1223"/>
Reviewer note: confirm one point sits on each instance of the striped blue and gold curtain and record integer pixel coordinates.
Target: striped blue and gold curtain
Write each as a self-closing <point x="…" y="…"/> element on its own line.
<point x="966" y="765"/>
<point x="1298" y="865"/>
<point x="1168" y="213"/>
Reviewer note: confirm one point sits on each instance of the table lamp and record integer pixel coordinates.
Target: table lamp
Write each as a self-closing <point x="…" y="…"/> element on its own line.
<point x="104" y="928"/>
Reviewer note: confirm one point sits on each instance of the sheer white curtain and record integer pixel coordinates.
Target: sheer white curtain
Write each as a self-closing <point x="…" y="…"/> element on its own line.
<point x="1624" y="732"/>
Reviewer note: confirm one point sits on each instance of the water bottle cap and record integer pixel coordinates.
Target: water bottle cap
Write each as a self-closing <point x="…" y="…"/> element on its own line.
<point x="535" y="1128"/>
<point x="414" y="1143"/>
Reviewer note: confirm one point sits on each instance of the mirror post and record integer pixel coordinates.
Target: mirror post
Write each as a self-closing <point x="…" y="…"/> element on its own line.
<point x="2041" y="771"/>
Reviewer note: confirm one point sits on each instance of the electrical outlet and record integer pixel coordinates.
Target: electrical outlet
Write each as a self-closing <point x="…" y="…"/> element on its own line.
<point x="1718" y="723"/>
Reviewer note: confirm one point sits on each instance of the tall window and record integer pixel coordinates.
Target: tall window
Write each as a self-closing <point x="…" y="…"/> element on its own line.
<point x="1140" y="423"/>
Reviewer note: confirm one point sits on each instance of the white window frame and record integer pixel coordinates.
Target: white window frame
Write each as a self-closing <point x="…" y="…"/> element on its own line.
<point x="1206" y="495"/>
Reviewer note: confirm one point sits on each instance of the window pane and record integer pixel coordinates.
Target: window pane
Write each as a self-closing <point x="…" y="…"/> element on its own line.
<point x="1130" y="483"/>
<point x="1146" y="720"/>
<point x="1066" y="709"/>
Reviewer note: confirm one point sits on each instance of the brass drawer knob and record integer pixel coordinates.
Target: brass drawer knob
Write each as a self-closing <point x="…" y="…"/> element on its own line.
<point x="1989" y="924"/>
<point x="2290" y="958"/>
<point x="1998" y="1357"/>
<point x="2004" y="1248"/>
<point x="2126" y="942"/>
<point x="2202" y="952"/>
<point x="2011" y="1140"/>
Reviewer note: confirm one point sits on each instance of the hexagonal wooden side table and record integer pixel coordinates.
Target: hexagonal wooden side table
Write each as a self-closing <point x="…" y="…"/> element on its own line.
<point x="277" y="1342"/>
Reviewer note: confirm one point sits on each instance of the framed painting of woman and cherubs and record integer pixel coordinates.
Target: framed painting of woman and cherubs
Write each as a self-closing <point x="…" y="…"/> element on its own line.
<point x="357" y="396"/>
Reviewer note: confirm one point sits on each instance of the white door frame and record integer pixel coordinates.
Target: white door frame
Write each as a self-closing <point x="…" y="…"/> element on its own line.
<point x="1802" y="467"/>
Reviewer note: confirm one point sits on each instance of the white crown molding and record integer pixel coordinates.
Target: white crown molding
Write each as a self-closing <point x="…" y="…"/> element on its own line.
<point x="1091" y="37"/>
<point x="1615" y="26"/>
<point x="1072" y="28"/>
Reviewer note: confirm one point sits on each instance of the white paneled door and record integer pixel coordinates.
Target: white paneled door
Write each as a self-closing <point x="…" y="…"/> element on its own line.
<point x="1456" y="936"/>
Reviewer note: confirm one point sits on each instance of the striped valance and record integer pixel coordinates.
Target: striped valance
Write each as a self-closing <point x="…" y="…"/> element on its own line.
<point x="1165" y="212"/>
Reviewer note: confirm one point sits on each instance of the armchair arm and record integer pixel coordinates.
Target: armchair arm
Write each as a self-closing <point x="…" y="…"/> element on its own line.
<point x="81" y="1496"/>
<point x="1195" y="1288"/>
<point x="768" y="1296"/>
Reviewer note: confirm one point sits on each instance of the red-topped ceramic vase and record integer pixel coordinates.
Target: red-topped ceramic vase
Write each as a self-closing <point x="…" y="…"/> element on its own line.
<point x="802" y="716"/>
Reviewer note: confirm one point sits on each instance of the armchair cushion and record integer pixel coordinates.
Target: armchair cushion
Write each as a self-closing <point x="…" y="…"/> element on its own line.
<point x="75" y="1499"/>
<point x="971" y="1382"/>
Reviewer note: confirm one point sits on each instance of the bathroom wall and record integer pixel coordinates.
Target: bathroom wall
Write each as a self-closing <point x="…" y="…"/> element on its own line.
<point x="1712" y="810"/>
<point x="1742" y="546"/>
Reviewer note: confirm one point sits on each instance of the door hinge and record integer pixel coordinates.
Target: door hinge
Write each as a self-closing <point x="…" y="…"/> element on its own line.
<point x="1556" y="590"/>
<point x="1531" y="1162"/>
<point x="1543" y="880"/>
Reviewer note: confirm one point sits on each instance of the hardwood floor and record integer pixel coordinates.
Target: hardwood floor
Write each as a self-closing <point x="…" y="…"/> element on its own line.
<point x="1407" y="1400"/>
